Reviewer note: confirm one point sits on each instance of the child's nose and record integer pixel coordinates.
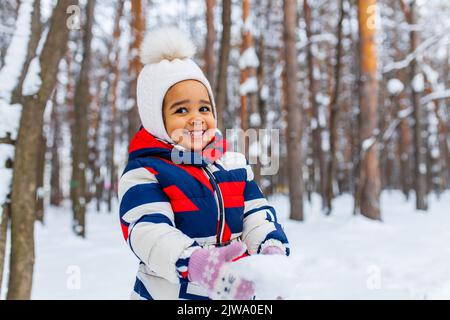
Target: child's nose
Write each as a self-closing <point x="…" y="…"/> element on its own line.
<point x="197" y="122"/>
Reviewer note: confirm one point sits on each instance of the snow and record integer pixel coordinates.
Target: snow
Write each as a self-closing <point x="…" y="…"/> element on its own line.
<point x="9" y="119"/>
<point x="325" y="141"/>
<point x="404" y="113"/>
<point x="248" y="59"/>
<point x="68" y="267"/>
<point x="313" y="123"/>
<point x="432" y="75"/>
<point x="6" y="152"/>
<point x="255" y="120"/>
<point x="283" y="272"/>
<point x="9" y="78"/>
<point x="367" y="143"/>
<point x="318" y="38"/>
<point x="351" y="257"/>
<point x="32" y="82"/>
<point x="435" y="96"/>
<point x="395" y="86"/>
<point x="17" y="50"/>
<point x="422" y="168"/>
<point x="418" y="83"/>
<point x="247" y="26"/>
<point x="264" y="94"/>
<point x="321" y="98"/>
<point x="249" y="86"/>
<point x="336" y="257"/>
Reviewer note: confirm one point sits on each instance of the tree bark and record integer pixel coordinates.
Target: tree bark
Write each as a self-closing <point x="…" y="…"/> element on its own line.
<point x="25" y="11"/>
<point x="420" y="153"/>
<point x="80" y="148"/>
<point x="245" y="72"/>
<point x="4" y="226"/>
<point x="294" y="117"/>
<point x="318" y="153"/>
<point x="25" y="164"/>
<point x="40" y="177"/>
<point x="368" y="188"/>
<point x="113" y="102"/>
<point x="55" y="190"/>
<point x="222" y="77"/>
<point x="138" y="29"/>
<point x="334" y="110"/>
<point x="210" y="63"/>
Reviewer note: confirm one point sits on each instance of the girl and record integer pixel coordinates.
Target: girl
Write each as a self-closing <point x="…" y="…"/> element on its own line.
<point x="188" y="208"/>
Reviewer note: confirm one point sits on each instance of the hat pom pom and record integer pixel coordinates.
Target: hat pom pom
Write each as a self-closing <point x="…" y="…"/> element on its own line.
<point x="166" y="43"/>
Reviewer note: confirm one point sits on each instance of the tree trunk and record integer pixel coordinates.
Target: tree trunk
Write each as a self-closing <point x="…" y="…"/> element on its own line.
<point x="25" y="14"/>
<point x="138" y="29"/>
<point x="4" y="226"/>
<point x="334" y="110"/>
<point x="80" y="149"/>
<point x="294" y="116"/>
<point x="210" y="63"/>
<point x="222" y="77"/>
<point x="420" y="153"/>
<point x="405" y="147"/>
<point x="55" y="184"/>
<point x="25" y="164"/>
<point x="113" y="102"/>
<point x="318" y="153"/>
<point x="40" y="177"/>
<point x="369" y="172"/>
<point x="94" y="148"/>
<point x="245" y="72"/>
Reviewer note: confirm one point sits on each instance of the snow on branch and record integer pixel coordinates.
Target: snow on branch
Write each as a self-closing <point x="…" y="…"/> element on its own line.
<point x="317" y="38"/>
<point x="397" y="65"/>
<point x="387" y="133"/>
<point x="438" y="95"/>
<point x="17" y="51"/>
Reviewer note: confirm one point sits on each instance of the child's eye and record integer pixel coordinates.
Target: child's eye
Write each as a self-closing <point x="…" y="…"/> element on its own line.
<point x="205" y="109"/>
<point x="181" y="110"/>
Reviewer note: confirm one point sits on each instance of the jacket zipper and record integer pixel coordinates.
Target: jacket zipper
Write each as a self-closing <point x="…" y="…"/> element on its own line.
<point x="220" y="205"/>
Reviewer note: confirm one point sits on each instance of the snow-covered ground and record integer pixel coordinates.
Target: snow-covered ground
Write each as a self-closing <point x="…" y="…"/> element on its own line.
<point x="338" y="257"/>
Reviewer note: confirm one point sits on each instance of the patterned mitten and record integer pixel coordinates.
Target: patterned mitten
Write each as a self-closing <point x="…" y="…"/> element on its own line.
<point x="210" y="268"/>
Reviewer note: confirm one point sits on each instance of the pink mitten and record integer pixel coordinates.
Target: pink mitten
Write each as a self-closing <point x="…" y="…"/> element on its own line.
<point x="272" y="250"/>
<point x="210" y="268"/>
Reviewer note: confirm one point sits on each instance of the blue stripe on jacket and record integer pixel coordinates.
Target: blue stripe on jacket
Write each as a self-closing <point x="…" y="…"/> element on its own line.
<point x="141" y="194"/>
<point x="141" y="290"/>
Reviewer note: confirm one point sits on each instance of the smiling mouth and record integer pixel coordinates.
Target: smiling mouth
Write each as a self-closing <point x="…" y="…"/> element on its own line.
<point x="196" y="133"/>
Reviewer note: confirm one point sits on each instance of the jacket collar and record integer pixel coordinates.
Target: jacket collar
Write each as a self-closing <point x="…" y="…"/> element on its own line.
<point x="145" y="144"/>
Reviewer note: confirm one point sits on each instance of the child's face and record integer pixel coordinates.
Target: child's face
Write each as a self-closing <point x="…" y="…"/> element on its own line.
<point x="188" y="115"/>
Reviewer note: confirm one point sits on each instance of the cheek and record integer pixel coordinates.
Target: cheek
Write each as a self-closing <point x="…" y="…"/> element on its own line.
<point x="211" y="122"/>
<point x="174" y="123"/>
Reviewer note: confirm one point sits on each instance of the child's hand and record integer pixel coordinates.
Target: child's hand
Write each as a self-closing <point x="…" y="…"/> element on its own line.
<point x="210" y="268"/>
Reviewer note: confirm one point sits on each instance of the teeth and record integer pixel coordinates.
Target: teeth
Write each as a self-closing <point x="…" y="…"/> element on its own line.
<point x="196" y="133"/>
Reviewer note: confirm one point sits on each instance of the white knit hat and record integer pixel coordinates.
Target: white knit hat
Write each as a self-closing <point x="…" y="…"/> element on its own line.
<point x="167" y="57"/>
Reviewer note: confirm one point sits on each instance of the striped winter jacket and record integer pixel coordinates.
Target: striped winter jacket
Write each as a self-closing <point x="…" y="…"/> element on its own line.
<point x="170" y="208"/>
